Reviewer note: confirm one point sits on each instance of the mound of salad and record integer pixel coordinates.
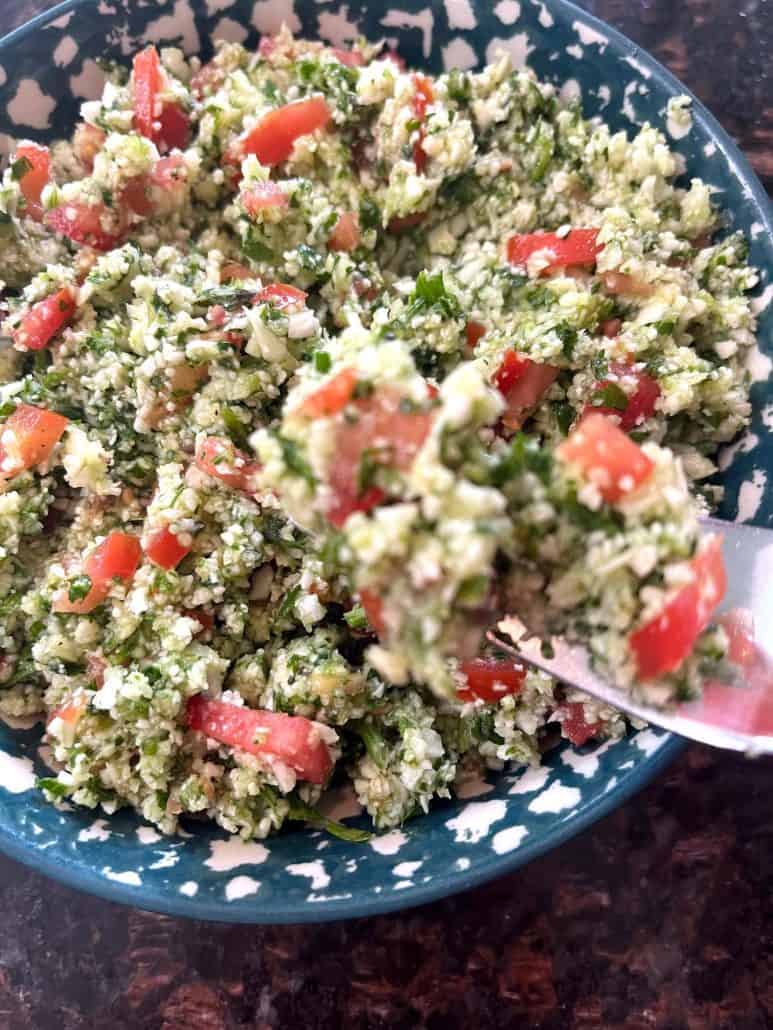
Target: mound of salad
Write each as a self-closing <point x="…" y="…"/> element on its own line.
<point x="316" y="366"/>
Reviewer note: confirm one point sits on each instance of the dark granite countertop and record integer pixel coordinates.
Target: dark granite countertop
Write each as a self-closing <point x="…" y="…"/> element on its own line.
<point x="660" y="917"/>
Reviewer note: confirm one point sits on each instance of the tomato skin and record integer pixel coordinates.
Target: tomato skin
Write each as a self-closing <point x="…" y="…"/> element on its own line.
<point x="291" y="738"/>
<point x="164" y="548"/>
<point x="331" y="397"/>
<point x="663" y="643"/>
<point x="611" y="327"/>
<point x="234" y="270"/>
<point x="578" y="247"/>
<point x="401" y="223"/>
<point x="423" y="98"/>
<point x="44" y="320"/>
<point x="136" y="195"/>
<point x="35" y="178"/>
<point x="490" y="679"/>
<point x="374" y="609"/>
<point x="281" y="296"/>
<point x="346" y="233"/>
<point x="262" y="197"/>
<point x="272" y="139"/>
<point x="641" y="403"/>
<point x="147" y="82"/>
<point x="606" y="457"/>
<point x="574" y="725"/>
<point x="474" y="332"/>
<point x="82" y="223"/>
<point x="69" y="711"/>
<point x="175" y="129"/>
<point x="117" y="557"/>
<point x="219" y="458"/>
<point x="522" y="382"/>
<point x="27" y="438"/>
<point x="351" y="58"/>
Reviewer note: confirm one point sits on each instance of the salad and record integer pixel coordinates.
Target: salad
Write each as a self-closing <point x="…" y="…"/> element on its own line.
<point x="317" y="366"/>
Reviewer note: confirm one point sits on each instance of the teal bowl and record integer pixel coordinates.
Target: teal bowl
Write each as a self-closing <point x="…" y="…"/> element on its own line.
<point x="46" y="69"/>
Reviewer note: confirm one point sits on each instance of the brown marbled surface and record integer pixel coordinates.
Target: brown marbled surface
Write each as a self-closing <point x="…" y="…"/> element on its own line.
<point x="658" y="918"/>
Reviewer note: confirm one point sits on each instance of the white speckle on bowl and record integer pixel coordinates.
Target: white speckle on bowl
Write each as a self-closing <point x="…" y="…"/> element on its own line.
<point x="648" y="741"/>
<point x="37" y="830"/>
<point x="268" y="16"/>
<point x="746" y="443"/>
<point x="129" y="877"/>
<point x="472" y="785"/>
<point x="585" y="765"/>
<point x="331" y="897"/>
<point x="314" y="870"/>
<point x="508" y="11"/>
<point x="97" y="831"/>
<point x="611" y="784"/>
<point x="335" y="27"/>
<point x="229" y="854"/>
<point x="556" y="798"/>
<point x="65" y="51"/>
<point x="570" y="90"/>
<point x="677" y="130"/>
<point x="757" y="228"/>
<point x="767" y="416"/>
<point x="534" y="778"/>
<point x="750" y="495"/>
<point x="389" y="843"/>
<point x="517" y="46"/>
<point x="575" y="50"/>
<point x="638" y="66"/>
<point x="169" y="858"/>
<point x="17" y="774"/>
<point x="589" y="36"/>
<point x="31" y="106"/>
<point x="63" y="22"/>
<point x="402" y="884"/>
<point x="760" y="304"/>
<point x="216" y="6"/>
<point x="178" y="26"/>
<point x="545" y="18"/>
<point x="340" y="804"/>
<point x="89" y="83"/>
<point x="424" y="20"/>
<point x="628" y="109"/>
<point x="462" y="864"/>
<point x="604" y="94"/>
<point x="459" y="54"/>
<point x="710" y="150"/>
<point x="758" y="365"/>
<point x="509" y="839"/>
<point x="240" y="887"/>
<point x="476" y="819"/>
<point x="627" y="765"/>
<point x="190" y="888"/>
<point x="3" y="76"/>
<point x="147" y="835"/>
<point x="461" y="14"/>
<point x="230" y="30"/>
<point x="405" y="870"/>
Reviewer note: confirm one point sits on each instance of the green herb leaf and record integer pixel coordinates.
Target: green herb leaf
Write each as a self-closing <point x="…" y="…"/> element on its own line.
<point x="20" y="167"/>
<point x="610" y="395"/>
<point x="52" y="786"/>
<point x="305" y="813"/>
<point x="294" y="460"/>
<point x="356" y="618"/>
<point x="375" y="745"/>
<point x="79" y="588"/>
<point x="235" y="428"/>
<point x="322" y="361"/>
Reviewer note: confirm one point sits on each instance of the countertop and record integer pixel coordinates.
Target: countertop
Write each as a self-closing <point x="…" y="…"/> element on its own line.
<point x="660" y="917"/>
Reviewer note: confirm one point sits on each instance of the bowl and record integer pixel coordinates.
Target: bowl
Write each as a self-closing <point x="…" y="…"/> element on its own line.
<point x="47" y="68"/>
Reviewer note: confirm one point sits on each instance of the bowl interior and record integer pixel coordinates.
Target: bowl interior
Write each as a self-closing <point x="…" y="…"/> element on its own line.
<point x="46" y="70"/>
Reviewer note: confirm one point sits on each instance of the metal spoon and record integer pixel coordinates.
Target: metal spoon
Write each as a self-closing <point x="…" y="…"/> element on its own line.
<point x="738" y="716"/>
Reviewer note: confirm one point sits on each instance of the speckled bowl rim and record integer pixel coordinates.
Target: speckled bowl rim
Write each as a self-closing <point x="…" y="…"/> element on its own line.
<point x="492" y="866"/>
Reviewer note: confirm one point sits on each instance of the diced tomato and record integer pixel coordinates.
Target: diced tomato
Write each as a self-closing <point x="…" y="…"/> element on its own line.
<point x="117" y="557"/>
<point x="611" y="327"/>
<point x="618" y="283"/>
<point x="136" y="195"/>
<point x="606" y="457"/>
<point x="641" y="403"/>
<point x="395" y="58"/>
<point x="233" y="270"/>
<point x="219" y="458"/>
<point x="374" y="609"/>
<point x="147" y="84"/>
<point x="331" y="397"/>
<point x="208" y="79"/>
<point x="574" y="725"/>
<point x="264" y="196"/>
<point x="390" y="437"/>
<point x="204" y="619"/>
<point x="267" y="46"/>
<point x="175" y="127"/>
<point x="742" y="647"/>
<point x="346" y="233"/>
<point x="663" y="643"/>
<point x="578" y="247"/>
<point x="35" y="178"/>
<point x="70" y="711"/>
<point x="490" y="679"/>
<point x="281" y="296"/>
<point x="44" y="320"/>
<point x="273" y="137"/>
<point x="169" y="173"/>
<point x="351" y="58"/>
<point x="217" y="316"/>
<point x="87" y="142"/>
<point x="522" y="382"/>
<point x="83" y="223"/>
<point x="291" y="738"/>
<point x="474" y="331"/>
<point x="27" y="438"/>
<point x="165" y="549"/>
<point x="401" y="223"/>
<point x="423" y="98"/>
